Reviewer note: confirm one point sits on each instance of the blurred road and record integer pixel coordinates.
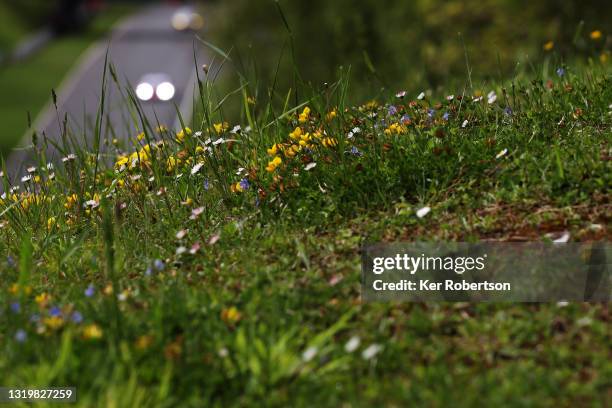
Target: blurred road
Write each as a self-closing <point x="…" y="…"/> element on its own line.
<point x="143" y="43"/>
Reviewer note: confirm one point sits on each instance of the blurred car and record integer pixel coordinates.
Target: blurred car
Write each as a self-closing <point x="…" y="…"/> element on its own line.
<point x="186" y="18"/>
<point x="155" y="87"/>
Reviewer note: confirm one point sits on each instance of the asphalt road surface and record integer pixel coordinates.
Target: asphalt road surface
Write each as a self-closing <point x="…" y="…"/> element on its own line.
<point x="143" y="43"/>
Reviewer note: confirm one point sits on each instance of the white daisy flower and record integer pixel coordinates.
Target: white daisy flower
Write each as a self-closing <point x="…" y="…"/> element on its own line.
<point x="421" y="96"/>
<point x="563" y="238"/>
<point x="352" y="344"/>
<point x="371" y="351"/>
<point x="196" y="168"/>
<point x="501" y="154"/>
<point x="309" y="354"/>
<point x="423" y="212"/>
<point x="310" y="166"/>
<point x="491" y="97"/>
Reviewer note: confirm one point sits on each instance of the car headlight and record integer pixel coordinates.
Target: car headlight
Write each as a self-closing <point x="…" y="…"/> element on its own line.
<point x="144" y="91"/>
<point x="180" y="20"/>
<point x="165" y="91"/>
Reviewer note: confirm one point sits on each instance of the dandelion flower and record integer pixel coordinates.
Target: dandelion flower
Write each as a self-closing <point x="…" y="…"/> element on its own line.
<point x="549" y="46"/>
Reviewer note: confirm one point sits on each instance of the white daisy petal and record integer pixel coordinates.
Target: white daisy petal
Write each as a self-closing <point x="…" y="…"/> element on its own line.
<point x="423" y="212"/>
<point x="310" y="166"/>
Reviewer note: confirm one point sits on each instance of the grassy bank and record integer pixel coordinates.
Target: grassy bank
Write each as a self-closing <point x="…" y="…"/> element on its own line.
<point x="219" y="265"/>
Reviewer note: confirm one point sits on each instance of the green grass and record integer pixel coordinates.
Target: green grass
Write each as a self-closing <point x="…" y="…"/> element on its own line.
<point x="30" y="82"/>
<point x="12" y="29"/>
<point x="211" y="285"/>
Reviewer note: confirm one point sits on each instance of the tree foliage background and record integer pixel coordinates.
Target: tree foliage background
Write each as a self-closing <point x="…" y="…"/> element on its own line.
<point x="407" y="42"/>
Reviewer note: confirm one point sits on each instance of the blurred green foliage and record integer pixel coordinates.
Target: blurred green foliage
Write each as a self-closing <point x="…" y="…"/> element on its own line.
<point x="410" y="42"/>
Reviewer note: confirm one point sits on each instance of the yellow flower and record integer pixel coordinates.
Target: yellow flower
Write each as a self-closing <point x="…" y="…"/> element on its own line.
<point x="273" y="164"/>
<point x="143" y="342"/>
<point x="199" y="149"/>
<point x="273" y="150"/>
<point x="292" y="151"/>
<point x="220" y="127"/>
<point x="121" y="161"/>
<point x="549" y="46"/>
<point x="297" y="132"/>
<point x="604" y="57"/>
<point x="230" y="315"/>
<point x="140" y="136"/>
<point x="42" y="299"/>
<point x="51" y="222"/>
<point x="108" y="289"/>
<point x="595" y="35"/>
<point x="14" y="289"/>
<point x="331" y="115"/>
<point x="180" y="136"/>
<point x="329" y="142"/>
<point x="171" y="163"/>
<point x="71" y="200"/>
<point x="187" y="202"/>
<point x="303" y="117"/>
<point x="395" y="129"/>
<point x="53" y="322"/>
<point x="92" y="331"/>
